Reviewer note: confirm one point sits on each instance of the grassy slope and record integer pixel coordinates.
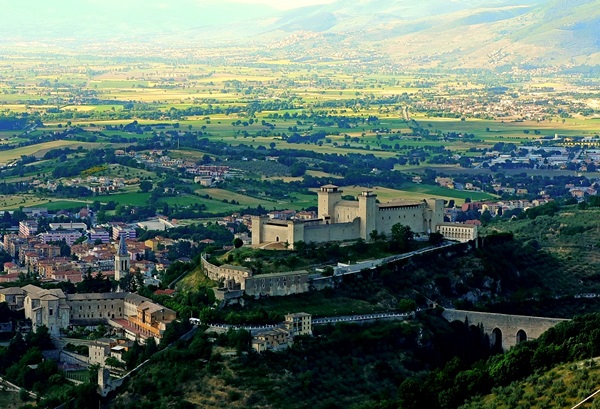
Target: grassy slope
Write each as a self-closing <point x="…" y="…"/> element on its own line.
<point x="195" y="280"/>
<point x="10" y="400"/>
<point x="40" y="149"/>
<point x="562" y="387"/>
<point x="572" y="237"/>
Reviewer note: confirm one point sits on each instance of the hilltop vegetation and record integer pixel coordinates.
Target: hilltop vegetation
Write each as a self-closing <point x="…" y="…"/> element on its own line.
<point x="570" y="235"/>
<point x="566" y="384"/>
<point x="537" y="381"/>
<point x="423" y="363"/>
<point x="342" y="366"/>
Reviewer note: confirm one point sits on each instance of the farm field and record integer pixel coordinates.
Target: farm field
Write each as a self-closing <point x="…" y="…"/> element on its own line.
<point x="414" y="192"/>
<point x="10" y="202"/>
<point x="186" y="111"/>
<point x="39" y="150"/>
<point x="319" y="174"/>
<point x="126" y="172"/>
<point x="135" y="198"/>
<point x="56" y="205"/>
<point x="221" y="194"/>
<point x="15" y="202"/>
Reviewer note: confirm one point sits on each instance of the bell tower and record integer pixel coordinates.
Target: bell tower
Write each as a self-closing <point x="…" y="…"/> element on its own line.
<point x="122" y="260"/>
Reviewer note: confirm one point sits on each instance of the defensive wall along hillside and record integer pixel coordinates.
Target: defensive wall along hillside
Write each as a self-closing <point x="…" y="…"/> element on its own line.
<point x="509" y="330"/>
<point x="343" y="220"/>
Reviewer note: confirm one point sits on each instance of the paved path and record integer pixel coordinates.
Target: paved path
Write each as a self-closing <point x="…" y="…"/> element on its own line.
<point x="373" y="264"/>
<point x="75" y="341"/>
<point x="363" y="317"/>
<point x="14" y="388"/>
<point x="318" y="321"/>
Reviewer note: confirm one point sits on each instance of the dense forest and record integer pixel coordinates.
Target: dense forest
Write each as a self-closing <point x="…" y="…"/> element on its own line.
<point x="424" y="363"/>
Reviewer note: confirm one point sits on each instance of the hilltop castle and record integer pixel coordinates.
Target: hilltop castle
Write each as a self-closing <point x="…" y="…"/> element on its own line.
<point x="341" y="220"/>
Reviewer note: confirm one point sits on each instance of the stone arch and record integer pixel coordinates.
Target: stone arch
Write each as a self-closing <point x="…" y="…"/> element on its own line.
<point x="496" y="338"/>
<point x="277" y="239"/>
<point x="521" y="336"/>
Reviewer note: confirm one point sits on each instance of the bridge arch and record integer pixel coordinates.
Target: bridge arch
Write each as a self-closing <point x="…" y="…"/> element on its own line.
<point x="496" y="338"/>
<point x="521" y="336"/>
<point x="504" y="330"/>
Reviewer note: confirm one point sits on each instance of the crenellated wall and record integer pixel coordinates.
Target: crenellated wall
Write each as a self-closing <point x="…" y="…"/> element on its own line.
<point x="276" y="284"/>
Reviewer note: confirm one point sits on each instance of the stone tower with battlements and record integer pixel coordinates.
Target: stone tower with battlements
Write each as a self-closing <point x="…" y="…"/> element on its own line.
<point x="368" y="212"/>
<point x="329" y="196"/>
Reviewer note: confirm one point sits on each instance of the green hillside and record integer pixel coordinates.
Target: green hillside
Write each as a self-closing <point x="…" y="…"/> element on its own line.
<point x="561" y="387"/>
<point x="572" y="237"/>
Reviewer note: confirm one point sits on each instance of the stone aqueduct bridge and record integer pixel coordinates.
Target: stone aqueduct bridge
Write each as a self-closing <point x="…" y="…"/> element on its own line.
<point x="509" y="330"/>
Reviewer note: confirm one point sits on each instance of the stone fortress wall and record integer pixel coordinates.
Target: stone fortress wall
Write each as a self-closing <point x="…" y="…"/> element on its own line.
<point x="342" y="220"/>
<point x="331" y="232"/>
<point x="337" y="220"/>
<point x="241" y="278"/>
<point x="278" y="284"/>
<point x="226" y="273"/>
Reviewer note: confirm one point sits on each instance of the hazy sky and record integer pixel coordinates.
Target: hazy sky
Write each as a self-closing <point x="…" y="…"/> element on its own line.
<point x="285" y="4"/>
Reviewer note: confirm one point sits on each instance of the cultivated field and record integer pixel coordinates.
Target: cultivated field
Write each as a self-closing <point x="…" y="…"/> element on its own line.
<point x="415" y="192"/>
<point x="395" y="115"/>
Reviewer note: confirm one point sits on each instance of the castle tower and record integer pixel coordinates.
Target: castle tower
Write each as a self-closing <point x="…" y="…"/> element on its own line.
<point x="257" y="228"/>
<point x="367" y="211"/>
<point x="122" y="260"/>
<point x="433" y="215"/>
<point x="329" y="196"/>
<point x="103" y="380"/>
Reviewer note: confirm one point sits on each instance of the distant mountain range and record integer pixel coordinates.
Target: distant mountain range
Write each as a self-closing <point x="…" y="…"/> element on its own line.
<point x="447" y="33"/>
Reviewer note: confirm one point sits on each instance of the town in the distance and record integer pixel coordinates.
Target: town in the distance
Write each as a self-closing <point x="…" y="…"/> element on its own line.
<point x="320" y="203"/>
